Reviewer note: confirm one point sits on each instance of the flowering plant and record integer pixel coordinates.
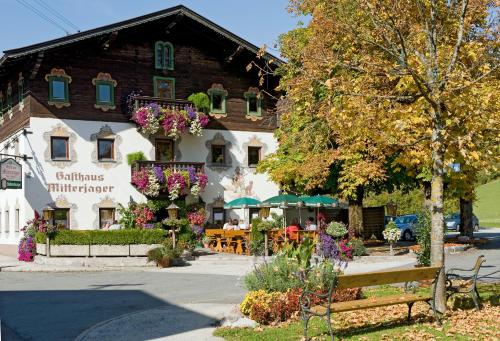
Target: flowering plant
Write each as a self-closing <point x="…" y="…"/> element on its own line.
<point x="391" y="232"/>
<point x="140" y="179"/>
<point x="27" y="249"/>
<point x="336" y="229"/>
<point x="345" y="250"/>
<point x="176" y="183"/>
<point x="197" y="217"/>
<point x="174" y="122"/>
<point x="142" y="216"/>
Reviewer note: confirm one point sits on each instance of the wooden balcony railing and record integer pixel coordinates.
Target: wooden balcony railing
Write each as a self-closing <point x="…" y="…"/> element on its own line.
<point x="177" y="104"/>
<point x="175" y="166"/>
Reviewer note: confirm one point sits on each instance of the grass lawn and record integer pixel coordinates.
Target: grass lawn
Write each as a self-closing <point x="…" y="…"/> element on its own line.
<point x="486" y="207"/>
<point x="389" y="323"/>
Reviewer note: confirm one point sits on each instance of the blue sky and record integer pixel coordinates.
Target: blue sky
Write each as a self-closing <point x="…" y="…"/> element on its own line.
<point x="258" y="21"/>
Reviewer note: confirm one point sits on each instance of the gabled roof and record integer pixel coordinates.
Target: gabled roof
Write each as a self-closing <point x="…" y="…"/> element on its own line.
<point x="173" y="11"/>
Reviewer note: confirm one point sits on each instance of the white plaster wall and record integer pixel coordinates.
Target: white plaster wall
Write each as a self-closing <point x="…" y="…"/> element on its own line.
<point x="40" y="173"/>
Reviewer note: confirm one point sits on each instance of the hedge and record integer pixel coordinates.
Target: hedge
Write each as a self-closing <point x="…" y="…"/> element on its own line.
<point x="100" y="237"/>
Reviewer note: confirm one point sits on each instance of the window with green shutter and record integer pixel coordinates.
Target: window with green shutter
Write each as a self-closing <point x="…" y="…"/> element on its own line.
<point x="164" y="55"/>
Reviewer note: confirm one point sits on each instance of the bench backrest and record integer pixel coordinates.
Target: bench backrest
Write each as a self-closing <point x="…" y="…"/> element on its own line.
<point x="386" y="277"/>
<point x="214" y="232"/>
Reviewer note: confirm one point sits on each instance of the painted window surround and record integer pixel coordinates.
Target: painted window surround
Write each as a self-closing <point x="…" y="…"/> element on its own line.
<point x="254" y="93"/>
<point x="218" y="140"/>
<point x="155" y="85"/>
<point x="58" y="75"/>
<point x="165" y="48"/>
<point x="217" y="89"/>
<point x="106" y="80"/>
<point x="60" y="131"/>
<point x="106" y="133"/>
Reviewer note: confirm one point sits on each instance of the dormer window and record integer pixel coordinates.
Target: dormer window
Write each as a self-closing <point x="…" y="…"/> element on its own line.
<point x="58" y="88"/>
<point x="164" y="55"/>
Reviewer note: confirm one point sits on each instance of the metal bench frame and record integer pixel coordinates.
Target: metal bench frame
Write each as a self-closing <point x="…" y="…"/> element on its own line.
<point x="471" y="288"/>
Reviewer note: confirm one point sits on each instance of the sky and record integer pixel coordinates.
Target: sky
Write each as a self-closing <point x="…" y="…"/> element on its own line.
<point x="258" y="21"/>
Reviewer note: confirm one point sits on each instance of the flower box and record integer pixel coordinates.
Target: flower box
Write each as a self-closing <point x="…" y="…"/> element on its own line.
<point x="109" y="250"/>
<point x="69" y="250"/>
<point x="141" y="249"/>
<point x="41" y="249"/>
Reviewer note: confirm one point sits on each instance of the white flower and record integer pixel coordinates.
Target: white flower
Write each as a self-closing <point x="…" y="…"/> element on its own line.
<point x="196" y="128"/>
<point x="195" y="189"/>
<point x="153" y="188"/>
<point x="392" y="235"/>
<point x="174" y="191"/>
<point x="153" y="124"/>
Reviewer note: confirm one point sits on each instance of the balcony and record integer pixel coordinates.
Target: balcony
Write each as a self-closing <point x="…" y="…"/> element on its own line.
<point x="172" y="165"/>
<point x="140" y="101"/>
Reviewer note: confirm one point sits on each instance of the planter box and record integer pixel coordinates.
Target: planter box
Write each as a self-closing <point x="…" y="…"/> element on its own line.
<point x="109" y="250"/>
<point x="69" y="250"/>
<point x="141" y="249"/>
<point x="41" y="249"/>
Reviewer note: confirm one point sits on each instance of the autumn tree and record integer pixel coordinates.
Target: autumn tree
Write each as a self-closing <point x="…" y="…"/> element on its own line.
<point x="380" y="76"/>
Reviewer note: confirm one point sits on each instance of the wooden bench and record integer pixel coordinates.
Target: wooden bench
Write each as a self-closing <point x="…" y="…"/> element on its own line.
<point x="464" y="281"/>
<point x="370" y="279"/>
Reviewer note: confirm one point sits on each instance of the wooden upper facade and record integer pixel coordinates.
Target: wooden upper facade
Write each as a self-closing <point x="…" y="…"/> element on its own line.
<point x="205" y="56"/>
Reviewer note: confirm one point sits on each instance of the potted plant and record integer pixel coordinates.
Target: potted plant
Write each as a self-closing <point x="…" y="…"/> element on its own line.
<point x="164" y="256"/>
<point x="206" y="241"/>
<point x="392" y="235"/>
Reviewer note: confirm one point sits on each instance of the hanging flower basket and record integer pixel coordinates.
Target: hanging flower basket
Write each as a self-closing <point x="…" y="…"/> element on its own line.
<point x="154" y="180"/>
<point x="151" y="118"/>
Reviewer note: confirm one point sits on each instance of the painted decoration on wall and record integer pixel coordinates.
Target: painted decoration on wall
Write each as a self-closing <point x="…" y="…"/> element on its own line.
<point x="237" y="186"/>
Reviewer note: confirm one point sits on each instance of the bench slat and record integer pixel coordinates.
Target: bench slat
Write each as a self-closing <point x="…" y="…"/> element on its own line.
<point x="372" y="302"/>
<point x="386" y="277"/>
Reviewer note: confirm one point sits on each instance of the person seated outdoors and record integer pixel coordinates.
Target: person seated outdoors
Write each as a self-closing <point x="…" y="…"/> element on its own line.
<point x="293" y="227"/>
<point x="235" y="224"/>
<point x="310" y="225"/>
<point x="228" y="225"/>
<point x="243" y="225"/>
<point x="115" y="226"/>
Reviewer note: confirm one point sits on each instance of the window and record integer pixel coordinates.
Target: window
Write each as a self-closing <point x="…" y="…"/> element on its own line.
<point x="164" y="87"/>
<point x="16" y="221"/>
<point x="58" y="89"/>
<point x="217" y="95"/>
<point x="218" y="216"/>
<point x="105" y="150"/>
<point x="61" y="218"/>
<point x="164" y="55"/>
<point x="164" y="150"/>
<point x="59" y="147"/>
<point x="105" y="93"/>
<point x="253" y="156"/>
<point x="218" y="154"/>
<point x="106" y="217"/>
<point x="253" y="102"/>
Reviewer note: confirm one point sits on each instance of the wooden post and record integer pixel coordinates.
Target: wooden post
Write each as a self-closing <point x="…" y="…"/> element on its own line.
<point x="266" y="244"/>
<point x="47" y="246"/>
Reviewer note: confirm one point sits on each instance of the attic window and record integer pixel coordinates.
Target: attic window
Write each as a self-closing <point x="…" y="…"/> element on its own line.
<point x="58" y="88"/>
<point x="217" y="95"/>
<point x="104" y="91"/>
<point x="254" y="106"/>
<point x="164" y="55"/>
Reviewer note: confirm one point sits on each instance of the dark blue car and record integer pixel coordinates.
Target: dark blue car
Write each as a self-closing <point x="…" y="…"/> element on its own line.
<point x="408" y="225"/>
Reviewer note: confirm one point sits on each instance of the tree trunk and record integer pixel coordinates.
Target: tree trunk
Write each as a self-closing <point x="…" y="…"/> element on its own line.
<point x="356" y="212"/>
<point x="466" y="225"/>
<point x="427" y="196"/>
<point x="437" y="218"/>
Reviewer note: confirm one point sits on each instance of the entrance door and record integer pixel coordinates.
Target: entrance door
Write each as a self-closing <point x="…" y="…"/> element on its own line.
<point x="164" y="150"/>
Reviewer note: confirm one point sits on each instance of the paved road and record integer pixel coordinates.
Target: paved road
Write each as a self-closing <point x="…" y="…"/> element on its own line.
<point x="491" y="251"/>
<point x="60" y="306"/>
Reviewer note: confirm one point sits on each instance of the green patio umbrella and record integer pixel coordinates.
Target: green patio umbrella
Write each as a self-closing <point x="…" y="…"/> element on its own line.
<point x="242" y="202"/>
<point x="278" y="200"/>
<point x="319" y="201"/>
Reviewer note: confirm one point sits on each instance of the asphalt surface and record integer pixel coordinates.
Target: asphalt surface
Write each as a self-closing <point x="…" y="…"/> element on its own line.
<point x="60" y="306"/>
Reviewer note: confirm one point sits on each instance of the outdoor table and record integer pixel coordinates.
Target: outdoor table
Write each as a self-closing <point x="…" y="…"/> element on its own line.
<point x="217" y="234"/>
<point x="235" y="238"/>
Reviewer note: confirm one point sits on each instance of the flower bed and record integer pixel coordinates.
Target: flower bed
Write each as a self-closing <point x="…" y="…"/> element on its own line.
<point x="152" y="180"/>
<point x="152" y="118"/>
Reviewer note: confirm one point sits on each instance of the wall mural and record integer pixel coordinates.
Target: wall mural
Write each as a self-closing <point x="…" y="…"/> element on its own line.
<point x="237" y="186"/>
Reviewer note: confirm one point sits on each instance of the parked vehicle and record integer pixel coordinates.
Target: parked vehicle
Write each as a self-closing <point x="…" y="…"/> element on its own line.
<point x="452" y="222"/>
<point x="408" y="225"/>
<point x="388" y="218"/>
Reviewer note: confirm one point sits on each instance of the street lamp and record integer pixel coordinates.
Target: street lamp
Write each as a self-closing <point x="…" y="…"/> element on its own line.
<point x="48" y="213"/>
<point x="173" y="211"/>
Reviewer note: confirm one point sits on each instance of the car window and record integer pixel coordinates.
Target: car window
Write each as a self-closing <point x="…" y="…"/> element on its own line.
<point x="399" y="220"/>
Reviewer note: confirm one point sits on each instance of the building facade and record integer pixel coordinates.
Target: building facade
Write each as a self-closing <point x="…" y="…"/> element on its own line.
<point x="66" y="109"/>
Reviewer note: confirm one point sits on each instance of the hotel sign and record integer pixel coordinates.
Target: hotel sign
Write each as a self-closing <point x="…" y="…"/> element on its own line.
<point x="11" y="174"/>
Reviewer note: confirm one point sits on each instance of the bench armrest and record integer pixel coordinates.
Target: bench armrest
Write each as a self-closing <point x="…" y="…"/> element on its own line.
<point x="306" y="296"/>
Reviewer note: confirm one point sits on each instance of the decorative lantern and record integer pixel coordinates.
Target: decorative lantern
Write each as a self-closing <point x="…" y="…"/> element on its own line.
<point x="392" y="208"/>
<point x="48" y="213"/>
<point x="264" y="211"/>
<point x="173" y="211"/>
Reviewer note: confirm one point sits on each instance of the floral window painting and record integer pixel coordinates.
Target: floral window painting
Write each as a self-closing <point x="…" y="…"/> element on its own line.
<point x="164" y="87"/>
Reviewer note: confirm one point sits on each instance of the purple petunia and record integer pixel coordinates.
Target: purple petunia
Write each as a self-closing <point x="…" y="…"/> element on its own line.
<point x="155" y="109"/>
<point x="192" y="175"/>
<point x="160" y="176"/>
<point x="191" y="112"/>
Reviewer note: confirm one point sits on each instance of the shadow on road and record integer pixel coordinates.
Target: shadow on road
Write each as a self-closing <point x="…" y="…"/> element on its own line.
<point x="63" y="315"/>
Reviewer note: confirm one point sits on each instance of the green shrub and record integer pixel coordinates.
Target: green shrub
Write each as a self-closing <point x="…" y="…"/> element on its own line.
<point x="113" y="237"/>
<point x="40" y="238"/>
<point x="166" y="251"/>
<point x="282" y="274"/>
<point x="256" y="238"/>
<point x="424" y="239"/>
<point x="358" y="248"/>
<point x="200" y="101"/>
<point x="136" y="156"/>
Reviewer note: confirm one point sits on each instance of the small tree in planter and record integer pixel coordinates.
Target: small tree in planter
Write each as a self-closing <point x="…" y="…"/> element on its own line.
<point x="391" y="234"/>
